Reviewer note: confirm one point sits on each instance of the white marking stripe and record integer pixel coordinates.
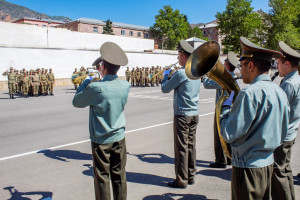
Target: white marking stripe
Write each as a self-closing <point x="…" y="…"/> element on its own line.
<point x="74" y="143"/>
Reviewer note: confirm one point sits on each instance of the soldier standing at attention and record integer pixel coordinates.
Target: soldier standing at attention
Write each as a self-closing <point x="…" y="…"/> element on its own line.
<point x="255" y="125"/>
<point x="157" y="77"/>
<point x="143" y="77"/>
<point x="35" y="83"/>
<point x="43" y="83"/>
<point x="25" y="84"/>
<point x="152" y="72"/>
<point x="133" y="77"/>
<point x="47" y="85"/>
<point x="185" y="106"/>
<point x="138" y="76"/>
<point x="127" y="74"/>
<point x="147" y="74"/>
<point x="51" y="81"/>
<point x="107" y="123"/>
<point x="282" y="179"/>
<point x="11" y="82"/>
<point x="30" y="90"/>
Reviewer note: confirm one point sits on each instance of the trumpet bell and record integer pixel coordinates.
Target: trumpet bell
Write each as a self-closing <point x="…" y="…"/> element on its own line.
<point x="202" y="60"/>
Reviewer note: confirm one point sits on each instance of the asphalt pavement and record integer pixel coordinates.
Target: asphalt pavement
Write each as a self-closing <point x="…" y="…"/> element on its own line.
<point x="45" y="150"/>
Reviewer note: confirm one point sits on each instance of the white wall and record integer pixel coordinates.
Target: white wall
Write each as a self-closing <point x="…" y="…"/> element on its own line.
<point x="30" y="47"/>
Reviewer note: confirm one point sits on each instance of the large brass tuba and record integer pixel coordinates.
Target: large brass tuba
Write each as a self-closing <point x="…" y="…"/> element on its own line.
<point x="205" y="61"/>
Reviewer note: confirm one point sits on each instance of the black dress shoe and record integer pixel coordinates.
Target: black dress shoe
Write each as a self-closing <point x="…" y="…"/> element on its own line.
<point x="217" y="165"/>
<point x="175" y="185"/>
<point x="191" y="182"/>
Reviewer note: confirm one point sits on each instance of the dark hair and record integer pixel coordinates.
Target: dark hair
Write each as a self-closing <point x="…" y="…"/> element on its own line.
<point x="262" y="65"/>
<point x="294" y="61"/>
<point x="112" y="69"/>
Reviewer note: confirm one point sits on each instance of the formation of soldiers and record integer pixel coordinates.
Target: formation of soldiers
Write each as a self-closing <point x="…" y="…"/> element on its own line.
<point x="145" y="76"/>
<point x="30" y="83"/>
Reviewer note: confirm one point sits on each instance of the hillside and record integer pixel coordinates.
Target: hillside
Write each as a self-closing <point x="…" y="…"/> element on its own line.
<point x="14" y="12"/>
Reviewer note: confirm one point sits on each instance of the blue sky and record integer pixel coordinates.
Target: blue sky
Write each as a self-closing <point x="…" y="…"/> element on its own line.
<point x="137" y="12"/>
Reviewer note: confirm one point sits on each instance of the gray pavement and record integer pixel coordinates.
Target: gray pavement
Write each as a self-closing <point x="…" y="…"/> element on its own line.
<point x="45" y="149"/>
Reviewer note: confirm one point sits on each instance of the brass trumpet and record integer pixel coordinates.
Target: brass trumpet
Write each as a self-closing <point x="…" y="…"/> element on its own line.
<point x="79" y="79"/>
<point x="162" y="71"/>
<point x="205" y="61"/>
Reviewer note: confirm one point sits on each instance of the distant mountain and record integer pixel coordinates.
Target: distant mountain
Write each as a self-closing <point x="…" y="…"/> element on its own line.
<point x="13" y="12"/>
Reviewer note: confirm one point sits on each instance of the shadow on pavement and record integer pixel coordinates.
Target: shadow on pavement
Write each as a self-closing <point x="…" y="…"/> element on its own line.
<point x="89" y="171"/>
<point x="16" y="195"/>
<point x="148" y="179"/>
<point x="63" y="155"/>
<point x="159" y="158"/>
<point x="171" y="196"/>
<point x="223" y="174"/>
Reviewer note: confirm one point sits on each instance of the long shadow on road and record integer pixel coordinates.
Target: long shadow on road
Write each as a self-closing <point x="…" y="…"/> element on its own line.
<point x="16" y="195"/>
<point x="63" y="155"/>
<point x="171" y="196"/>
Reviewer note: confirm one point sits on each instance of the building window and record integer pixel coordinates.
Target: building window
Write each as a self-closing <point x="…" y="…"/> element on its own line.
<point x="130" y="33"/>
<point x="44" y="26"/>
<point x="146" y="35"/>
<point x="203" y="32"/>
<point x="95" y="29"/>
<point x="210" y="31"/>
<point x="36" y="24"/>
<point x="122" y="32"/>
<point x="139" y="34"/>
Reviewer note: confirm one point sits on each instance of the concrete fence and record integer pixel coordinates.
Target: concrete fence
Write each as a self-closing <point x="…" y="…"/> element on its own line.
<point x="31" y="47"/>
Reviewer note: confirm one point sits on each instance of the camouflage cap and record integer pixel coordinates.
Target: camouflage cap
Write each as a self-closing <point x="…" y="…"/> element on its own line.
<point x="251" y="50"/>
<point x="112" y="53"/>
<point x="288" y="51"/>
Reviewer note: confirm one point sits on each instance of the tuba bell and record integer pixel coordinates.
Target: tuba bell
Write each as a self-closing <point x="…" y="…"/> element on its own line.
<point x="205" y="61"/>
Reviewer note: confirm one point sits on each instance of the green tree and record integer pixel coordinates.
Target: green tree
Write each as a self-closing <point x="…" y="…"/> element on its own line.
<point x="284" y="23"/>
<point x="170" y="26"/>
<point x="196" y="32"/>
<point x="239" y="20"/>
<point x="107" y="29"/>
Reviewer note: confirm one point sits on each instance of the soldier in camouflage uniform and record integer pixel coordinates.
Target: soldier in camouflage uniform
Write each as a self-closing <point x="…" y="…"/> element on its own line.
<point x="43" y="83"/>
<point x="138" y="76"/>
<point x="143" y="77"/>
<point x="18" y="83"/>
<point x="152" y="73"/>
<point x="47" y="86"/>
<point x="11" y="82"/>
<point x="35" y="83"/>
<point x="25" y="84"/>
<point x="132" y="77"/>
<point x="30" y="90"/>
<point x="147" y="74"/>
<point x="157" y="77"/>
<point x="127" y="74"/>
<point x="51" y="81"/>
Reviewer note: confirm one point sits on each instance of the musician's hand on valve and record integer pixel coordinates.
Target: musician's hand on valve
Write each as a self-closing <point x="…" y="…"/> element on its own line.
<point x="95" y="75"/>
<point x="228" y="101"/>
<point x="167" y="72"/>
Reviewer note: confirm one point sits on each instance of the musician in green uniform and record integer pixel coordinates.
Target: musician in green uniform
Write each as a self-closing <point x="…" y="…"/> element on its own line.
<point x="12" y="77"/>
<point x="282" y="179"/>
<point x="255" y="125"/>
<point x="51" y="81"/>
<point x="185" y="120"/>
<point x="107" y="99"/>
<point x="127" y="74"/>
<point x="221" y="160"/>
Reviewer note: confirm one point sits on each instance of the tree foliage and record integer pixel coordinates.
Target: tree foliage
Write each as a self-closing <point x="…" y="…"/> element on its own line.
<point x="107" y="29"/>
<point x="170" y="26"/>
<point x="239" y="20"/>
<point x="284" y="23"/>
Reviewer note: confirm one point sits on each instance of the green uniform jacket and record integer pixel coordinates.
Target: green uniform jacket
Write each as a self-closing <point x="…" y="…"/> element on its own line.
<point x="106" y="99"/>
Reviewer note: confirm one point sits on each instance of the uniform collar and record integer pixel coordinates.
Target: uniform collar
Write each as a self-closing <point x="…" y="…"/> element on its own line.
<point x="262" y="77"/>
<point x="109" y="77"/>
<point x="289" y="75"/>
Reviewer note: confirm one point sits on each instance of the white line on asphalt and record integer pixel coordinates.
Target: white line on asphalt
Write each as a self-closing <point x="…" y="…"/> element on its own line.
<point x="74" y="143"/>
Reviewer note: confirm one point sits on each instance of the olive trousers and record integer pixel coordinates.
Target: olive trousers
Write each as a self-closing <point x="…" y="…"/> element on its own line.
<point x="109" y="162"/>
